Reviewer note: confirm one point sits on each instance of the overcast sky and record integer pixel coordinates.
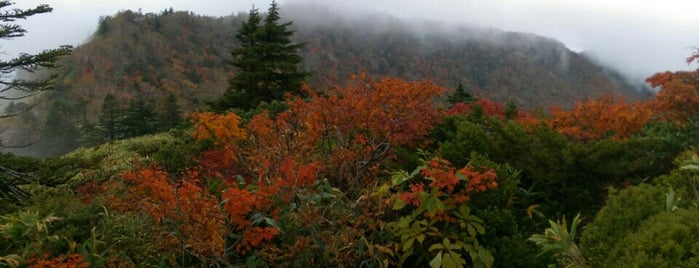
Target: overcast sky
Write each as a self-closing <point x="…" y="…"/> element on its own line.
<point x="638" y="37"/>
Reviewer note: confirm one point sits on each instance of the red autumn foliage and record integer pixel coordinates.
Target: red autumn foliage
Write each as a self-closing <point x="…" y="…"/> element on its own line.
<point x="341" y="136"/>
<point x="239" y="203"/>
<point x="600" y="117"/>
<point x="185" y="206"/>
<point x="253" y="237"/>
<point x="678" y="98"/>
<point x="70" y="261"/>
<point x="224" y="129"/>
<point x="346" y="132"/>
<point x="412" y="197"/>
<point x="490" y="109"/>
<point x="450" y="185"/>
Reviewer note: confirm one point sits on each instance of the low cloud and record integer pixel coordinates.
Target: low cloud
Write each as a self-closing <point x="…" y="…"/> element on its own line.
<point x="638" y="38"/>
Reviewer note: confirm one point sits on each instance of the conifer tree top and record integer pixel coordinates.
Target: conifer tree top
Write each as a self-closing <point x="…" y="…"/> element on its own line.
<point x="266" y="61"/>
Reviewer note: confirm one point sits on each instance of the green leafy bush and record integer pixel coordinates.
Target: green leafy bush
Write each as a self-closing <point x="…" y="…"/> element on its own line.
<point x="623" y="214"/>
<point x="667" y="239"/>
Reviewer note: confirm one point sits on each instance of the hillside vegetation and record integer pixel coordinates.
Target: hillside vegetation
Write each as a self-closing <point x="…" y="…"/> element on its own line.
<point x="151" y="57"/>
<point x="367" y="171"/>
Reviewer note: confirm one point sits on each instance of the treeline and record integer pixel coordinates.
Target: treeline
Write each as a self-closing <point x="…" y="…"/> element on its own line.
<point x="348" y="175"/>
<point x="354" y="177"/>
<point x="152" y="56"/>
<point x="140" y="117"/>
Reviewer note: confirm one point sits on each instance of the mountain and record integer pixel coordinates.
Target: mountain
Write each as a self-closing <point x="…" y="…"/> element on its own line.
<point x="529" y="69"/>
<point x="148" y="57"/>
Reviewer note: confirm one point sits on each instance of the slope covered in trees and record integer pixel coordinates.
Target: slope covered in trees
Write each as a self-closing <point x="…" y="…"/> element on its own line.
<point x="529" y="69"/>
<point x="350" y="177"/>
<point x="347" y="176"/>
<point x="153" y="57"/>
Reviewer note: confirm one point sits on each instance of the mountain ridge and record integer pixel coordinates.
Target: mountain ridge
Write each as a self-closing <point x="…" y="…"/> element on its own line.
<point x="151" y="56"/>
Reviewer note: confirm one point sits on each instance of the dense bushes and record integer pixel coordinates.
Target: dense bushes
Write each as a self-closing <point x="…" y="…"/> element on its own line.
<point x="348" y="178"/>
<point x="624" y="211"/>
<point x="663" y="240"/>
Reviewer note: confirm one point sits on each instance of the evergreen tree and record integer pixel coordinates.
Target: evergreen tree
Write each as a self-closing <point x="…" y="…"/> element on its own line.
<point x="14" y="89"/>
<point x="460" y="95"/>
<point x="511" y="110"/>
<point x="109" y="118"/>
<point x="280" y="58"/>
<point x="139" y="118"/>
<point x="267" y="63"/>
<point x="59" y="131"/>
<point x="21" y="88"/>
<point x="170" y="115"/>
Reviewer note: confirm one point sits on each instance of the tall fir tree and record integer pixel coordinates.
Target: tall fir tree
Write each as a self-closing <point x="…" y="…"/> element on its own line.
<point x="110" y="118"/>
<point x="13" y="89"/>
<point x="59" y="134"/>
<point x="139" y="118"/>
<point x="511" y="110"/>
<point x="170" y="114"/>
<point x="266" y="62"/>
<point x="460" y="95"/>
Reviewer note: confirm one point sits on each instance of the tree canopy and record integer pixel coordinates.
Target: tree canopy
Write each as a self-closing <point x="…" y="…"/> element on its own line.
<point x="266" y="62"/>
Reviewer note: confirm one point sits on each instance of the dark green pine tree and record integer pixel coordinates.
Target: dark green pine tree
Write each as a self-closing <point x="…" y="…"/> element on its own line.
<point x="460" y="95"/>
<point x="110" y="118"/>
<point x="266" y="62"/>
<point x="511" y="110"/>
<point x="22" y="88"/>
<point x="246" y="61"/>
<point x="139" y="118"/>
<point x="170" y="114"/>
<point x="13" y="89"/>
<point x="280" y="58"/>
<point x="59" y="131"/>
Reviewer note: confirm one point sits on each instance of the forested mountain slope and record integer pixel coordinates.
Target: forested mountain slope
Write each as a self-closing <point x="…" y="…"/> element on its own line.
<point x="373" y="172"/>
<point x="149" y="57"/>
<point x="529" y="69"/>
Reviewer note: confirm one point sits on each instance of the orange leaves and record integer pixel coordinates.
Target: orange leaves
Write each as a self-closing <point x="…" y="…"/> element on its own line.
<point x="660" y="79"/>
<point x="254" y="236"/>
<point x="440" y="180"/>
<point x="393" y="108"/>
<point x="200" y="220"/>
<point x="239" y="203"/>
<point x="184" y="206"/>
<point x="226" y="132"/>
<point x="413" y="197"/>
<point x="71" y="261"/>
<point x="678" y="99"/>
<point x="357" y="125"/>
<point x="442" y="174"/>
<point x="345" y="132"/>
<point x="156" y="194"/>
<point x="601" y="117"/>
<point x="480" y="181"/>
<point x="491" y="109"/>
<point x="224" y="129"/>
<point x="271" y="140"/>
<point x="294" y="174"/>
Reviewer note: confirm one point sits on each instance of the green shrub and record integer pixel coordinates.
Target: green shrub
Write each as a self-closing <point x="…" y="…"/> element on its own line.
<point x="668" y="239"/>
<point x="623" y="213"/>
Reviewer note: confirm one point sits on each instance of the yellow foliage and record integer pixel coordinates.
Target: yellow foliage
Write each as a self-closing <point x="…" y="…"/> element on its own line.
<point x="225" y="129"/>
